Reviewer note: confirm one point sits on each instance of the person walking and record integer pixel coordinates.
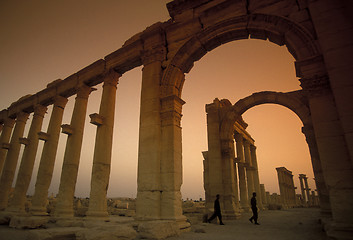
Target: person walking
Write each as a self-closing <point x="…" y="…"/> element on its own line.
<point x="254" y="209"/>
<point x="217" y="211"/>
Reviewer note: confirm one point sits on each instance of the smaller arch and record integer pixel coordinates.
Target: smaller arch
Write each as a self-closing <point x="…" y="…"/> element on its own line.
<point x="295" y="101"/>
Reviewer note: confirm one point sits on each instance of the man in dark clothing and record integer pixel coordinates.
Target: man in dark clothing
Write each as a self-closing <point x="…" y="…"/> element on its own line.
<point x="217" y="211"/>
<point x="254" y="209"/>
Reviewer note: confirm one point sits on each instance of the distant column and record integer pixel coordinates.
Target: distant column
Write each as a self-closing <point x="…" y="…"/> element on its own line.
<point x="103" y="147"/>
<point x="256" y="176"/>
<point x="64" y="206"/>
<point x="17" y="203"/>
<point x="307" y="189"/>
<point x="263" y="194"/>
<point x="47" y="161"/>
<point x="249" y="170"/>
<point x="301" y="180"/>
<point x="282" y="186"/>
<point x="241" y="171"/>
<point x="4" y="140"/>
<point x="12" y="159"/>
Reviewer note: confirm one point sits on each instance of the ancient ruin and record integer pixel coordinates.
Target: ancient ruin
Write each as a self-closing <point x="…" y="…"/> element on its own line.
<point x="317" y="33"/>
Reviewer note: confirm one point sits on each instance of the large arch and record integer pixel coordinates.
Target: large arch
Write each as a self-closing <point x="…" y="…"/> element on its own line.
<point x="294" y="101"/>
<point x="279" y="30"/>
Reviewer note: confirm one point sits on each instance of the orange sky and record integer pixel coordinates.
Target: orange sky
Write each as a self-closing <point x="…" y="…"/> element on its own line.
<point x="41" y="41"/>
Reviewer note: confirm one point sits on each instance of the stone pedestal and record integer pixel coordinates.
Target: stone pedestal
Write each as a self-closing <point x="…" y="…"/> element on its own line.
<point x="8" y="172"/>
<point x="17" y="203"/>
<point x="103" y="147"/>
<point x="47" y="160"/>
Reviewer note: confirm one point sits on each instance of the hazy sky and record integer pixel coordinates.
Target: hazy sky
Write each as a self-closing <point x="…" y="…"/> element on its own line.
<point x="41" y="41"/>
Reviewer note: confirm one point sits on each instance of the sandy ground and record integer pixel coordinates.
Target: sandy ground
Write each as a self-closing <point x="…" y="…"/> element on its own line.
<point x="292" y="224"/>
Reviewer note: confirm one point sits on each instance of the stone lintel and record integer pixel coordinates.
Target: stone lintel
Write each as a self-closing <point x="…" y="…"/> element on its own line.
<point x="24" y="141"/>
<point x="67" y="129"/>
<point x="96" y="119"/>
<point x="92" y="74"/>
<point x="43" y="136"/>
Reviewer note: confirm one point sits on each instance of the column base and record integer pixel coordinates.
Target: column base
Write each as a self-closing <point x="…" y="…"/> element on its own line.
<point x="340" y="231"/>
<point x="38" y="211"/>
<point x="97" y="214"/>
<point x="231" y="215"/>
<point x="64" y="213"/>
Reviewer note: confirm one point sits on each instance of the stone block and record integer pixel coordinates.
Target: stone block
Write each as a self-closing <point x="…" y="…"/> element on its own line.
<point x="158" y="229"/>
<point x="28" y="222"/>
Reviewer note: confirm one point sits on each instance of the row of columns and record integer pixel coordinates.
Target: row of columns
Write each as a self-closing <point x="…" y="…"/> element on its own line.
<point x="286" y="187"/>
<point x="249" y="181"/>
<point x="9" y="153"/>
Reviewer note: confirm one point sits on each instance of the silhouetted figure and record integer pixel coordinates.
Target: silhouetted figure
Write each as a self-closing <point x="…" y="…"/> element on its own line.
<point x="217" y="211"/>
<point x="254" y="209"/>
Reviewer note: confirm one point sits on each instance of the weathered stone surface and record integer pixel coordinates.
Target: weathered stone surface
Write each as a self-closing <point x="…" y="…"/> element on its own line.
<point x="113" y="232"/>
<point x="158" y="229"/>
<point x="53" y="234"/>
<point x="28" y="222"/>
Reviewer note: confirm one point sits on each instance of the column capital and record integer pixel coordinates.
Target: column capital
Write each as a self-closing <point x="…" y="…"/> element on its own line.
<point x="60" y="101"/>
<point x="83" y="91"/>
<point x="9" y="122"/>
<point x="253" y="147"/>
<point x="40" y="110"/>
<point x="22" y="117"/>
<point x="238" y="137"/>
<point x="24" y="141"/>
<point x="111" y="78"/>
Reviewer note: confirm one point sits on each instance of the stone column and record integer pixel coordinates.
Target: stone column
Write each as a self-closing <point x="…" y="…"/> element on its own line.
<point x="230" y="197"/>
<point x="64" y="206"/>
<point x="12" y="159"/>
<point x="322" y="190"/>
<point x="4" y="140"/>
<point x="214" y="156"/>
<point x="307" y="189"/>
<point x="148" y="180"/>
<point x="334" y="154"/>
<point x="282" y="187"/>
<point x="301" y="180"/>
<point x="249" y="169"/>
<point x="171" y="159"/>
<point x="244" y="203"/>
<point x="263" y="194"/>
<point x="47" y="160"/>
<point x="256" y="176"/>
<point x="18" y="201"/>
<point x="103" y="147"/>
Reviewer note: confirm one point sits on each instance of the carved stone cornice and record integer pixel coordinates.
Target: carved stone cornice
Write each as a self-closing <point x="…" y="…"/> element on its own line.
<point x="316" y="86"/>
<point x="171" y="110"/>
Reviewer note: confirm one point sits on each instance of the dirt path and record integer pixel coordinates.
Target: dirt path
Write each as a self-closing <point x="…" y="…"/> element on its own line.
<point x="292" y="224"/>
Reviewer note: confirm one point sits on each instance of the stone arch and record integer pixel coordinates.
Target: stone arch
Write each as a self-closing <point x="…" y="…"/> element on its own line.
<point x="294" y="101"/>
<point x="277" y="29"/>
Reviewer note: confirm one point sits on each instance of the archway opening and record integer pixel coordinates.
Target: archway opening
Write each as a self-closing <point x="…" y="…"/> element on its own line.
<point x="233" y="71"/>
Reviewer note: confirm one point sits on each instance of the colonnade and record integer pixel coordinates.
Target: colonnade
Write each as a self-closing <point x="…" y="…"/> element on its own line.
<point x="10" y="151"/>
<point x="230" y="169"/>
<point x="286" y="187"/>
